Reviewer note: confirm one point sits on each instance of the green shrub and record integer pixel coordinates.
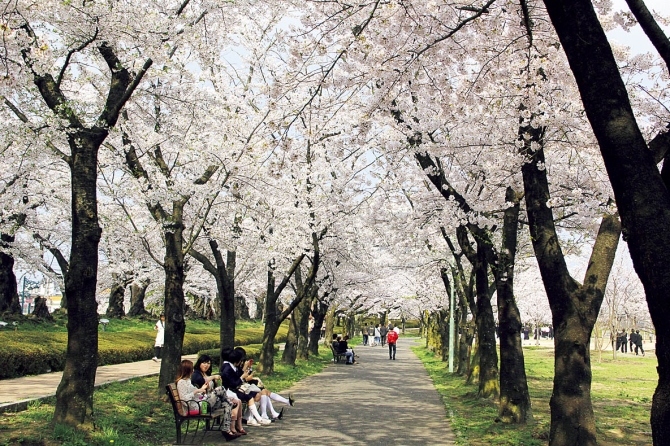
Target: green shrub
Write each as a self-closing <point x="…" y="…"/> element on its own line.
<point x="33" y="352"/>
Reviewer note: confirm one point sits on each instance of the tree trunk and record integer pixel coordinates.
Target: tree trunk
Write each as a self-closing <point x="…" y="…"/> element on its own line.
<point x="41" y="310"/>
<point x="137" y="294"/>
<point x="302" y="312"/>
<point x="642" y="196"/>
<point x="319" y="311"/>
<point x="514" y="397"/>
<point x="116" y="297"/>
<point x="226" y="274"/>
<point x="259" y="315"/>
<point x="9" y="296"/>
<point x="291" y="347"/>
<point x="74" y="396"/>
<point x="465" y="344"/>
<point x="330" y="325"/>
<point x="175" y="325"/>
<point x="241" y="308"/>
<point x="574" y="307"/>
<point x="489" y="386"/>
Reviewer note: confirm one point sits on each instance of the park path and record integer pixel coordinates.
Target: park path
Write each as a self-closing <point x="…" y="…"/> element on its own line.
<point x="375" y="402"/>
<point x="17" y="393"/>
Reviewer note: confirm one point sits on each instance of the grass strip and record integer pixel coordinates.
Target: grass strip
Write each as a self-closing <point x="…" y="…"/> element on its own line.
<point x="621" y="392"/>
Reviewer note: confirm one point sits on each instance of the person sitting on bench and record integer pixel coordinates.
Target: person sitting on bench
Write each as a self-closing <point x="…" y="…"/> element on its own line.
<point x="341" y="347"/>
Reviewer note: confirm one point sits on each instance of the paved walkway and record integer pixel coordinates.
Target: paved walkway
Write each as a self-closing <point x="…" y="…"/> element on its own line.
<point x="376" y="402"/>
<point x="17" y="393"/>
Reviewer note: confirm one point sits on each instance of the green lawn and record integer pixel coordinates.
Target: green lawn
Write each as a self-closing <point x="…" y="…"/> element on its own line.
<point x="621" y="392"/>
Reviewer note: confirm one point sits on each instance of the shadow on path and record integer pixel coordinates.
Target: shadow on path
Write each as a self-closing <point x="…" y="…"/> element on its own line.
<point x="375" y="402"/>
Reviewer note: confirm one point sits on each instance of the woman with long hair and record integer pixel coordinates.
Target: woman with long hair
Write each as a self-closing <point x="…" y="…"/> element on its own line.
<point x="192" y="397"/>
<point x="202" y="376"/>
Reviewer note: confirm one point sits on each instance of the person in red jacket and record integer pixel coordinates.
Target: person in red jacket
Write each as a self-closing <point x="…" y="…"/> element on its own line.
<point x="391" y="339"/>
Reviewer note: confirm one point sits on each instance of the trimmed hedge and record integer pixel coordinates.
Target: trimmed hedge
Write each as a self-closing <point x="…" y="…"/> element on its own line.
<point x="32" y="353"/>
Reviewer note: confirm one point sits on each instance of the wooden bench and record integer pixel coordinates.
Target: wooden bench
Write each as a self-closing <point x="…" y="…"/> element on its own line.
<point x="337" y="356"/>
<point x="185" y="413"/>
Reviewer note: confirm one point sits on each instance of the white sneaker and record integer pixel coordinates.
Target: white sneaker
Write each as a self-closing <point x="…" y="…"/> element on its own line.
<point x="265" y="422"/>
<point x="154" y="359"/>
<point x="252" y="422"/>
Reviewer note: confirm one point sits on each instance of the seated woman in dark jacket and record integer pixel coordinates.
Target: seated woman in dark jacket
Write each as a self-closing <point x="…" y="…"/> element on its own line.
<point x="235" y="371"/>
<point x="202" y="377"/>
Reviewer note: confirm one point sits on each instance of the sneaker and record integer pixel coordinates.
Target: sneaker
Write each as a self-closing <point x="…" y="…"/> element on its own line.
<point x="265" y="422"/>
<point x="253" y="422"/>
<point x="154" y="359"/>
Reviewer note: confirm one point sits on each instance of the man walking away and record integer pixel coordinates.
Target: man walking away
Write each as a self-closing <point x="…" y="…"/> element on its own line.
<point x="624" y="342"/>
<point x="392" y="338"/>
<point x="638" y="342"/>
<point x="384" y="331"/>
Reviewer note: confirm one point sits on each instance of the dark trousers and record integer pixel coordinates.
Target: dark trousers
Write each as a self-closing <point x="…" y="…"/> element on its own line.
<point x="365" y="339"/>
<point x="624" y="346"/>
<point x="639" y="346"/>
<point x="391" y="351"/>
<point x="157" y="352"/>
<point x="383" y="340"/>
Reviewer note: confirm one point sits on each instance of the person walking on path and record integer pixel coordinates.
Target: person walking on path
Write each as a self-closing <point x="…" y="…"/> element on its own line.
<point x="383" y="331"/>
<point x="365" y="335"/>
<point x="624" y="342"/>
<point x="160" y="337"/>
<point x="378" y="334"/>
<point x="392" y="338"/>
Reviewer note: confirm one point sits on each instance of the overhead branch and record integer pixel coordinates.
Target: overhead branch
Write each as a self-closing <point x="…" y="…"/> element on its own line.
<point x="209" y="172"/>
<point x="477" y="13"/>
<point x="122" y="86"/>
<point x="58" y="255"/>
<point x="23" y="118"/>
<point x="70" y="53"/>
<point x="651" y="28"/>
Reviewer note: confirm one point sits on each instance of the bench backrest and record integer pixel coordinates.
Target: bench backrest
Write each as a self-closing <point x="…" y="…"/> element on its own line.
<point x="173" y="394"/>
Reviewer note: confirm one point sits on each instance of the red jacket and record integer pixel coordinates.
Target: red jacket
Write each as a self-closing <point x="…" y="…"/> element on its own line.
<point x="392" y="337"/>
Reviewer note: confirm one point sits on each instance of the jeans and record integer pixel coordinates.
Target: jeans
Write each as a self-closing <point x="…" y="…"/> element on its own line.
<point x="350" y="357"/>
<point x="391" y="351"/>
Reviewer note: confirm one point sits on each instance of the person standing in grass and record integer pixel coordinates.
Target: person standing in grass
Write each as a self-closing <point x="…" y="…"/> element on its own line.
<point x="391" y="339"/>
<point x="160" y="337"/>
<point x="638" y="342"/>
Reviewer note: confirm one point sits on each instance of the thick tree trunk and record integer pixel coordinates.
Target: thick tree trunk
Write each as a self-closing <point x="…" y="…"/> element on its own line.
<point x="266" y="359"/>
<point x="574" y="307"/>
<point x="116" y="297"/>
<point x="9" y="296"/>
<point x="489" y="386"/>
<point x="137" y="294"/>
<point x="514" y="397"/>
<point x="74" y="396"/>
<point x="642" y="197"/>
<point x="319" y="311"/>
<point x="175" y="325"/>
